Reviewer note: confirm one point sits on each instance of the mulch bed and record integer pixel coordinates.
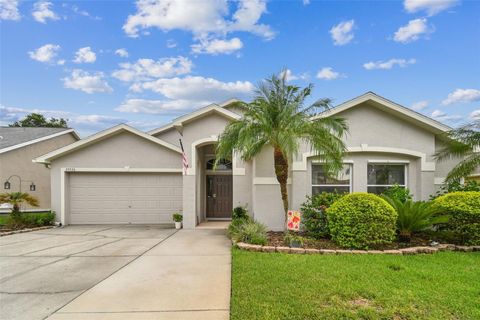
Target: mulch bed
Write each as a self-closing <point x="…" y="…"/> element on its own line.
<point x="276" y="239"/>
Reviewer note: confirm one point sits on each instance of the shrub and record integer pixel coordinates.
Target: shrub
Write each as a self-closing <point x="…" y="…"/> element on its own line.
<point x="294" y="240"/>
<point x="361" y="220"/>
<point x="30" y="220"/>
<point x="464" y="209"/>
<point x="414" y="216"/>
<point x="314" y="219"/>
<point x="398" y="192"/>
<point x="240" y="213"/>
<point x="248" y="231"/>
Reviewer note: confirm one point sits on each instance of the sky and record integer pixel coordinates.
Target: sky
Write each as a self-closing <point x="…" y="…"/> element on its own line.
<point x="100" y="63"/>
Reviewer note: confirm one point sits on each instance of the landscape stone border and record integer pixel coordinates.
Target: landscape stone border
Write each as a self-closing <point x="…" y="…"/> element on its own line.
<point x="2" y="234"/>
<point x="403" y="251"/>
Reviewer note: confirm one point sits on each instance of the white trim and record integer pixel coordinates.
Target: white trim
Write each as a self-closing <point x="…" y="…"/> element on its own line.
<point x="62" y="195"/>
<point x="24" y="144"/>
<point x="425" y="165"/>
<point x="370" y="96"/>
<point x="389" y="161"/>
<point x="268" y="181"/>
<point x="102" y="134"/>
<point x="179" y="122"/>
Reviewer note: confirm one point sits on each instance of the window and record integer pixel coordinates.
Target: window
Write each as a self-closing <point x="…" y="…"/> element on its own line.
<point x="322" y="183"/>
<point x="223" y="164"/>
<point x="383" y="176"/>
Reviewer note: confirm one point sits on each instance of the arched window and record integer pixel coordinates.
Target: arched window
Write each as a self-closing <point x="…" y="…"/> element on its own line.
<point x="223" y="164"/>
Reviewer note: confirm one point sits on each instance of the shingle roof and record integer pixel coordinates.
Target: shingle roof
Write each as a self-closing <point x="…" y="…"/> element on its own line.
<point x="13" y="136"/>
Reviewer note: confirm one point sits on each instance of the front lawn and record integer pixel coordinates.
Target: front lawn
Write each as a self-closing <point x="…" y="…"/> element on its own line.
<point x="282" y="286"/>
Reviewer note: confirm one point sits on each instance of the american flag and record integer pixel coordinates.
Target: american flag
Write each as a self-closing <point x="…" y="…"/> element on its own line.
<point x="184" y="159"/>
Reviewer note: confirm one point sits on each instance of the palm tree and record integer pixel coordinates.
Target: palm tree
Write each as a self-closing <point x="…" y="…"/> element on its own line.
<point x="16" y="199"/>
<point x="278" y="117"/>
<point x="463" y="142"/>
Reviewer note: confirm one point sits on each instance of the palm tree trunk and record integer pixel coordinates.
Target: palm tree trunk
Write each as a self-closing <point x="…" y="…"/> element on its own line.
<point x="281" y="171"/>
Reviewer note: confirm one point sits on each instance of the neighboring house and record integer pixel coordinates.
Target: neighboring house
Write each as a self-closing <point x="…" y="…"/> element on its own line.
<point x="18" y="146"/>
<point x="122" y="175"/>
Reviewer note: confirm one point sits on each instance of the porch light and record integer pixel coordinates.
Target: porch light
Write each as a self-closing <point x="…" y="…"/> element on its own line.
<point x="6" y="185"/>
<point x="32" y="187"/>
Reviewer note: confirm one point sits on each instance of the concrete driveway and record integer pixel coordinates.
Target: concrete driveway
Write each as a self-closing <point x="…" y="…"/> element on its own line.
<point x="115" y="272"/>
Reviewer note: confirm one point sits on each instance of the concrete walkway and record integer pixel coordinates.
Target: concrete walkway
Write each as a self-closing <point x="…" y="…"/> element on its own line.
<point x="130" y="272"/>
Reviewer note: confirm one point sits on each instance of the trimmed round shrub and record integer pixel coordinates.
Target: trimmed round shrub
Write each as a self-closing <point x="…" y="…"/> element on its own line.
<point x="361" y="221"/>
<point x="464" y="209"/>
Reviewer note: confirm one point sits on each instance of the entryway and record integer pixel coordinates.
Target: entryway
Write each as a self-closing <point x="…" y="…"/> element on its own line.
<point x="219" y="196"/>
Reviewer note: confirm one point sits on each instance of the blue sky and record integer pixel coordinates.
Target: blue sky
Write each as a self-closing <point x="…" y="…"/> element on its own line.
<point x="99" y="63"/>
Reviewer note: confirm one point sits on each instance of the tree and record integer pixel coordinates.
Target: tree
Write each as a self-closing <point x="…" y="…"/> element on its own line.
<point x="38" y="120"/>
<point x="278" y="117"/>
<point x="464" y="143"/>
<point x="16" y="199"/>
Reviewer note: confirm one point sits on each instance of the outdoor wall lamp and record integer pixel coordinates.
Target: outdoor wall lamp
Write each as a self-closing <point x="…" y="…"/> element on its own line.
<point x="7" y="185"/>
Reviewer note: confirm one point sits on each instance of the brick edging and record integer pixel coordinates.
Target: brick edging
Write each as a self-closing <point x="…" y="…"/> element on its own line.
<point x="403" y="251"/>
<point x="8" y="233"/>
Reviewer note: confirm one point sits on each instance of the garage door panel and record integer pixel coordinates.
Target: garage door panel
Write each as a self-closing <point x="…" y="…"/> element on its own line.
<point x="120" y="198"/>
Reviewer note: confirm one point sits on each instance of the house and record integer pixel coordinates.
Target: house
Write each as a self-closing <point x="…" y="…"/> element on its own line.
<point x="18" y="146"/>
<point x="122" y="175"/>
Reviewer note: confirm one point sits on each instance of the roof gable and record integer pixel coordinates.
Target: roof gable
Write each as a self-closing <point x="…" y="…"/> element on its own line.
<point x="179" y="122"/>
<point x="100" y="136"/>
<point x="12" y="138"/>
<point x="390" y="107"/>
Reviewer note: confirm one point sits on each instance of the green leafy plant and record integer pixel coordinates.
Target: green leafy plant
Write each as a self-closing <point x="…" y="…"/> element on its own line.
<point x="17" y="199"/>
<point x="293" y="240"/>
<point x="248" y="231"/>
<point x="398" y="192"/>
<point x="361" y="221"/>
<point x="278" y="118"/>
<point x="464" y="209"/>
<point x="415" y="216"/>
<point x="314" y="218"/>
<point x="177" y="217"/>
<point x="455" y="186"/>
<point x="240" y="213"/>
<point x="462" y="143"/>
<point x="30" y="220"/>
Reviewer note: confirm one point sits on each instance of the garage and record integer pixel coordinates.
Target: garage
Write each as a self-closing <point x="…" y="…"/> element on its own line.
<point x="124" y="198"/>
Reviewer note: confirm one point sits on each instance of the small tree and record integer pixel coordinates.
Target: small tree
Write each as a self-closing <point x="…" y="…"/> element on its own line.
<point x="16" y="199"/>
<point x="279" y="118"/>
<point x="38" y="120"/>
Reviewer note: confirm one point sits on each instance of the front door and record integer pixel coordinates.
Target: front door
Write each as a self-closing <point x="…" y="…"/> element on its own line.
<point x="219" y="196"/>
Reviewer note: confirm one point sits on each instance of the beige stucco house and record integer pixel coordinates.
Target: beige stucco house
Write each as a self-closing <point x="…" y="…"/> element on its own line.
<point x="122" y="175"/>
<point x="18" y="146"/>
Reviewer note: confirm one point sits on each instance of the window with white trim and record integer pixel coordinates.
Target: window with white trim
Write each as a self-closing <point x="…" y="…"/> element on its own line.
<point x="382" y="176"/>
<point x="341" y="183"/>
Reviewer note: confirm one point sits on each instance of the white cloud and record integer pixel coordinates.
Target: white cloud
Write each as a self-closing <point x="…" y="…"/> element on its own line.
<point x="217" y="46"/>
<point x="148" y="69"/>
<point x="386" y="65"/>
<point x="9" y="10"/>
<point x="412" y="31"/>
<point x="86" y="82"/>
<point x="328" y="73"/>
<point x="85" y="55"/>
<point x="171" y="43"/>
<point x="306" y="2"/>
<point x="122" y="52"/>
<point x="419" y="105"/>
<point x="475" y="115"/>
<point x="342" y="33"/>
<point x="158" y="106"/>
<point x="431" y="7"/>
<point x="462" y="95"/>
<point x="45" y="54"/>
<point x="42" y="12"/>
<point x="198" y="88"/>
<point x="202" y="18"/>
<point x="439" y="115"/>
<point x="84" y="13"/>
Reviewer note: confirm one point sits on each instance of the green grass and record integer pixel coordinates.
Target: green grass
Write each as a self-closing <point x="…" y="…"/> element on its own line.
<point x="280" y="286"/>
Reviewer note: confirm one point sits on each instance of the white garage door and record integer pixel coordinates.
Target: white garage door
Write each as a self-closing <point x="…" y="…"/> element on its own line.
<point x="120" y="198"/>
